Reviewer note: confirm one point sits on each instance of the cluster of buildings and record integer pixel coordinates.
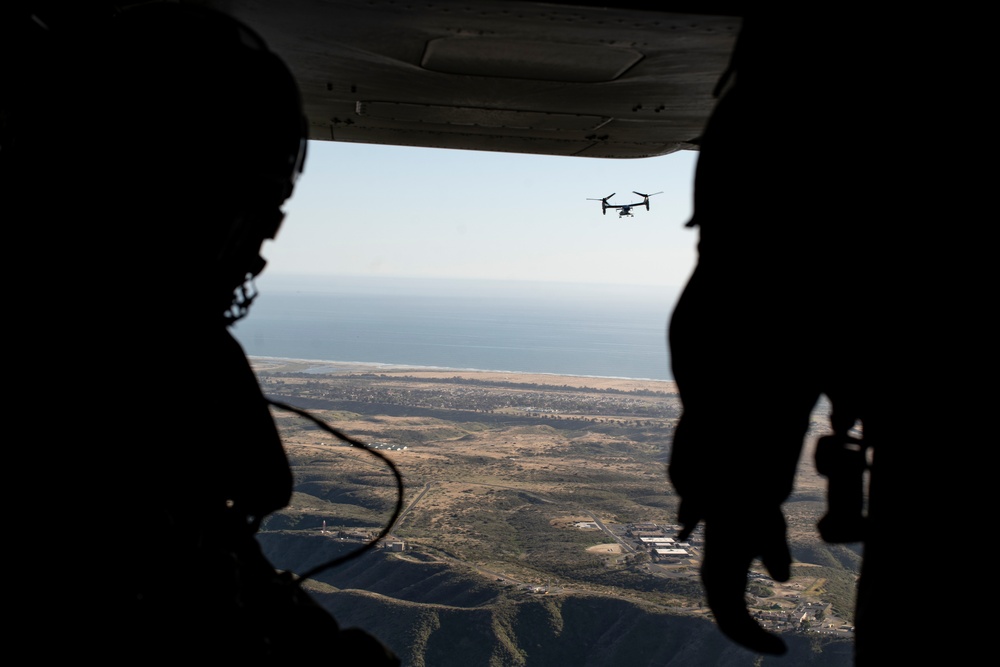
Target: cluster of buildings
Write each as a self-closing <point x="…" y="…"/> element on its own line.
<point x="660" y="542"/>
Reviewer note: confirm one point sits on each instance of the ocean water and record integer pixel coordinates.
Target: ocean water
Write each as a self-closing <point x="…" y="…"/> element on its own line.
<point x="562" y="329"/>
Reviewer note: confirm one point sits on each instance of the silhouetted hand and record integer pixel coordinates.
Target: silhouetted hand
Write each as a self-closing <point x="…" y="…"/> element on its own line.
<point x="732" y="542"/>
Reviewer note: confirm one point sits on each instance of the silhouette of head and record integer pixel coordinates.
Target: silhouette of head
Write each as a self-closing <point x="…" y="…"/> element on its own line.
<point x="183" y="134"/>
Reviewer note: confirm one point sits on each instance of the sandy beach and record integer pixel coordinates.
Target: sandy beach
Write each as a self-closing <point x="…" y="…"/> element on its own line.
<point x="318" y="367"/>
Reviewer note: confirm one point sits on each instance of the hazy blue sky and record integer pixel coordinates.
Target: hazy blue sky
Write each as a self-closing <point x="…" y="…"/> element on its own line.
<point x="371" y="210"/>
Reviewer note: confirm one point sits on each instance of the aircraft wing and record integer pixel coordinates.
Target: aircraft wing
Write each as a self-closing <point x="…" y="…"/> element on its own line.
<point x="552" y="78"/>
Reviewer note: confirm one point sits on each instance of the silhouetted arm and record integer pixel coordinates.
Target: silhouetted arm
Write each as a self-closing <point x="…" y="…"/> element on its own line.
<point x="747" y="399"/>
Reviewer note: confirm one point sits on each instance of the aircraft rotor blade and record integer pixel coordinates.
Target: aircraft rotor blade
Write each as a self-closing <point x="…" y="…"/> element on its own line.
<point x="649" y="195"/>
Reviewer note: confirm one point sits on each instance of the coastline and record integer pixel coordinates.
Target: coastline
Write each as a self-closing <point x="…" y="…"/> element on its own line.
<point x="326" y="367"/>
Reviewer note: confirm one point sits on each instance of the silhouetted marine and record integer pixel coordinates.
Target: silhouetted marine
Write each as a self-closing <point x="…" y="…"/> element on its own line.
<point x="825" y="268"/>
<point x="149" y="152"/>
